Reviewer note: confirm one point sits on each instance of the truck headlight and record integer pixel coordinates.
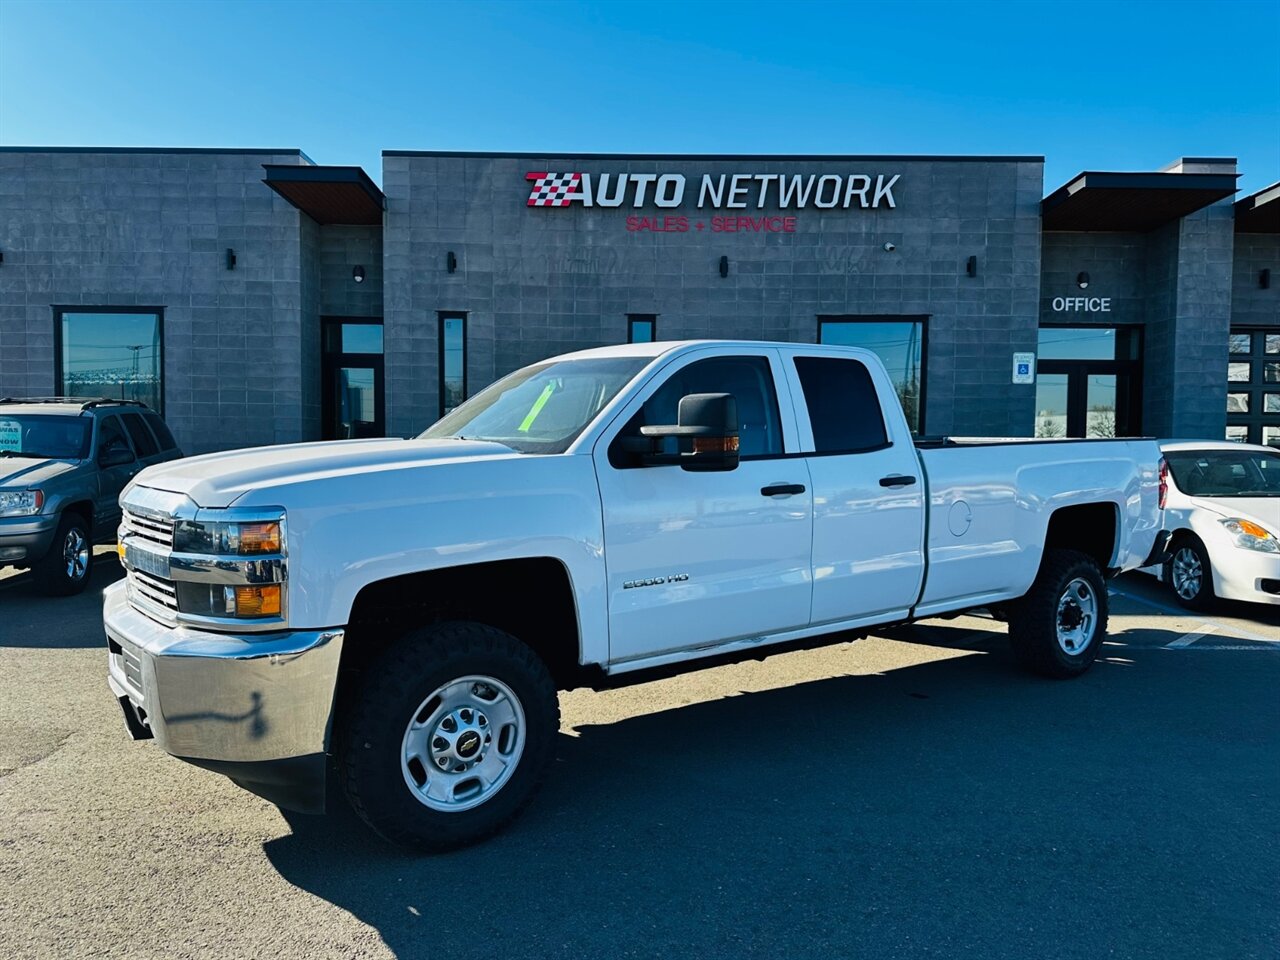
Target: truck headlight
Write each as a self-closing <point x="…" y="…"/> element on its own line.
<point x="1251" y="536"/>
<point x="228" y="538"/>
<point x="20" y="503"/>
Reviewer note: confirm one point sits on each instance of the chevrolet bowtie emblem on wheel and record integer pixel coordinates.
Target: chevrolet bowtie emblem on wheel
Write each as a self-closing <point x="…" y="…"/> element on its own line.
<point x="655" y="581"/>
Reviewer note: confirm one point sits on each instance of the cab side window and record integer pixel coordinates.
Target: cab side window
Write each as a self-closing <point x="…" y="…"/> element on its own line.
<point x="143" y="442"/>
<point x="749" y="379"/>
<point x="843" y="407"/>
<point x="111" y="436"/>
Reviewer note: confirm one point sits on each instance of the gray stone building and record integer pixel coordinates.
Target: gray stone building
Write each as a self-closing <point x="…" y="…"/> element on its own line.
<point x="257" y="297"/>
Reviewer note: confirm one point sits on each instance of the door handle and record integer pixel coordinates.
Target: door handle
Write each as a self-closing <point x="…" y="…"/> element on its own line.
<point x="897" y="481"/>
<point x="781" y="489"/>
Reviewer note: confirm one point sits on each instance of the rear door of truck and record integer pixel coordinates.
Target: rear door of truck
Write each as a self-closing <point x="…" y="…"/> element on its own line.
<point x="868" y="491"/>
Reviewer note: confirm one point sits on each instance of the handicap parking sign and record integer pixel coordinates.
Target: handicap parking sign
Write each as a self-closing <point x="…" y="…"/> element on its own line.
<point x="1024" y="368"/>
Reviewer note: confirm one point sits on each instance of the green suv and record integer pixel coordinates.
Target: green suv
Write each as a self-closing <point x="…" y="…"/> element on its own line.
<point x="63" y="463"/>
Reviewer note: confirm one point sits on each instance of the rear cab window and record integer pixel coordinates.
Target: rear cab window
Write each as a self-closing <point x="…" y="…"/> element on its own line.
<point x="844" y="409"/>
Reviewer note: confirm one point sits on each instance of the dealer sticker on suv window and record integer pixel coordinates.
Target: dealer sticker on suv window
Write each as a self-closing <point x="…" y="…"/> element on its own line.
<point x="11" y="436"/>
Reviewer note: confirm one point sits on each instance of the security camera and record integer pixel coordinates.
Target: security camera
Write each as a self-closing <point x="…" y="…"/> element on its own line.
<point x="890" y="246"/>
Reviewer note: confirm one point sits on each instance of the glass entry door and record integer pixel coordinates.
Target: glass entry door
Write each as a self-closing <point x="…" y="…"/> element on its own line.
<point x="1087" y="382"/>
<point x="352" y="393"/>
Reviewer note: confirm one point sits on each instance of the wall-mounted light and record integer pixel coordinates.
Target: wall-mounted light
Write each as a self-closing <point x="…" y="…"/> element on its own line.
<point x="971" y="266"/>
<point x="1" y="256"/>
<point x="358" y="274"/>
<point x="450" y="262"/>
<point x="231" y="259"/>
<point x="1264" y="278"/>
<point x="724" y="266"/>
<point x="1082" y="279"/>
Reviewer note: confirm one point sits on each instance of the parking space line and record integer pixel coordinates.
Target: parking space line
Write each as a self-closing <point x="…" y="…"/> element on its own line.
<point x="1187" y="639"/>
<point x="1209" y="625"/>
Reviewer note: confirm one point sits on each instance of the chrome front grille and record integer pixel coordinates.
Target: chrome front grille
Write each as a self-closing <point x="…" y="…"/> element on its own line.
<point x="158" y="530"/>
<point x="156" y="590"/>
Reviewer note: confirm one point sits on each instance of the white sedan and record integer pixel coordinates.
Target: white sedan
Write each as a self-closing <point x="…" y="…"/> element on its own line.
<point x="1221" y="505"/>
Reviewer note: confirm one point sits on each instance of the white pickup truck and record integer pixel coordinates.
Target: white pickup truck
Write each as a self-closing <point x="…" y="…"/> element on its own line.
<point x="404" y="611"/>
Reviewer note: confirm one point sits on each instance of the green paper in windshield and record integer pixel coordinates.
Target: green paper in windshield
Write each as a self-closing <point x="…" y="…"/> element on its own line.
<point x="536" y="409"/>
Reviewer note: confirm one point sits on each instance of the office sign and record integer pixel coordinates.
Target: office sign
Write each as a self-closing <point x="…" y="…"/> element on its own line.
<point x="1081" y="304"/>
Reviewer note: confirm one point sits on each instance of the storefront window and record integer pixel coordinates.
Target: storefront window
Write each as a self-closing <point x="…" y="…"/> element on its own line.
<point x="104" y="352"/>
<point x="453" y="360"/>
<point x="1253" y="403"/>
<point x="898" y="342"/>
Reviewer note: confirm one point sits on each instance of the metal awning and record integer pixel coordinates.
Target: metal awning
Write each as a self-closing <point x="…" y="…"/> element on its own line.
<point x="328" y="194"/>
<point x="1135" y="202"/>
<point x="1259" y="212"/>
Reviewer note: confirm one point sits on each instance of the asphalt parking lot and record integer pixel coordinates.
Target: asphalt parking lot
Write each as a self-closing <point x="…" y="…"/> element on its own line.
<point x="907" y="795"/>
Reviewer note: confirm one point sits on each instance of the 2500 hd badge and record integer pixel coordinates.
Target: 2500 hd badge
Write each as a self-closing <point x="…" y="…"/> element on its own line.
<point x="654" y="581"/>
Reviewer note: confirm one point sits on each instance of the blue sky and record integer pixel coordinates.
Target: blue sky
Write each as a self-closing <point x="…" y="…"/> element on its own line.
<point x="1089" y="85"/>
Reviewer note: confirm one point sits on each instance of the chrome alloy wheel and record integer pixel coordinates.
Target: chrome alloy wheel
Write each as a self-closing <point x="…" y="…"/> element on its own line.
<point x="463" y="743"/>
<point x="1186" y="574"/>
<point x="1077" y="616"/>
<point x="75" y="554"/>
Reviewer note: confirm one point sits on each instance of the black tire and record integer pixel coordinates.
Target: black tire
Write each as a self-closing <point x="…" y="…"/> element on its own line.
<point x="1034" y="620"/>
<point x="374" y="776"/>
<point x="55" y="574"/>
<point x="1188" y="548"/>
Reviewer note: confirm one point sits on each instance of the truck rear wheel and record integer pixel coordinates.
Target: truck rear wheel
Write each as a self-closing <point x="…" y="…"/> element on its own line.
<point x="1057" y="629"/>
<point x="449" y="736"/>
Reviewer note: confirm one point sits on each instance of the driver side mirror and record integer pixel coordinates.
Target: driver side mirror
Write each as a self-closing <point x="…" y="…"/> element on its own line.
<point x="706" y="434"/>
<point x="115" y="457"/>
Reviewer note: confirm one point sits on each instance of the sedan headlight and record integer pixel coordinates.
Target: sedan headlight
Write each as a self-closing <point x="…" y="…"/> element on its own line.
<point x="20" y="503"/>
<point x="1251" y="536"/>
<point x="228" y="538"/>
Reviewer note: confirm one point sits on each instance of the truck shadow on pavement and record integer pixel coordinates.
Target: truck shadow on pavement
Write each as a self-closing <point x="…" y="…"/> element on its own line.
<point x="29" y="618"/>
<point x="956" y="808"/>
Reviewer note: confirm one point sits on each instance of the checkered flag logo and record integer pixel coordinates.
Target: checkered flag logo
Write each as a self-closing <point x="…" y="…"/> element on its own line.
<point x="554" y="189"/>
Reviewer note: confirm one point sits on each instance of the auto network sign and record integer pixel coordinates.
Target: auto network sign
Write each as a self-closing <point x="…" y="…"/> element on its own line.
<point x="726" y="191"/>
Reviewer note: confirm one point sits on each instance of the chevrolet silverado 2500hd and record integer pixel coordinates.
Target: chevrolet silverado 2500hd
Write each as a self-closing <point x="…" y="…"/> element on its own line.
<point x="403" y="611"/>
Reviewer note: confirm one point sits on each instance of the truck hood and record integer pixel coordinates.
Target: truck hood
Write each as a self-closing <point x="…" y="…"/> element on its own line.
<point x="31" y="471"/>
<point x="1263" y="510"/>
<point x="219" y="479"/>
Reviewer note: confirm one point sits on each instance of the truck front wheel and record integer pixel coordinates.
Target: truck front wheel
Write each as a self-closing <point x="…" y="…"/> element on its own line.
<point x="1057" y="629"/>
<point x="449" y="735"/>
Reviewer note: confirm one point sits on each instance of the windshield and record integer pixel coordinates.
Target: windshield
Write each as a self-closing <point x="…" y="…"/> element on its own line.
<point x="44" y="436"/>
<point x="542" y="408"/>
<point x="1226" y="473"/>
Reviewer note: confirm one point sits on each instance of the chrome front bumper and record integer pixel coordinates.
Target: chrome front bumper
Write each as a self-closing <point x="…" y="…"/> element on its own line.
<point x="256" y="707"/>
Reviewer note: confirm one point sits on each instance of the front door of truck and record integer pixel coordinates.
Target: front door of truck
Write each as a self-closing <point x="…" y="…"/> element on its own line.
<point x="692" y="558"/>
<point x="868" y="490"/>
